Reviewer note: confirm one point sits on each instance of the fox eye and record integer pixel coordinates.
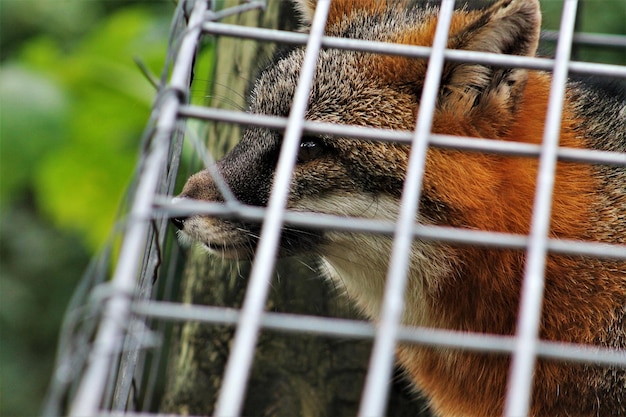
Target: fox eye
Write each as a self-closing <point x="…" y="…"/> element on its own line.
<point x="310" y="149"/>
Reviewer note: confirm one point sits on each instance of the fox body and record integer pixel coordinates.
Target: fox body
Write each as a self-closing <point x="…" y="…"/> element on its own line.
<point x="463" y="288"/>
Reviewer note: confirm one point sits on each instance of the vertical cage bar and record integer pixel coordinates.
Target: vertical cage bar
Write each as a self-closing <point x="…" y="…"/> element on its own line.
<point x="376" y="390"/>
<point x="239" y="362"/>
<point x="116" y="311"/>
<point x="117" y="308"/>
<point x="525" y="354"/>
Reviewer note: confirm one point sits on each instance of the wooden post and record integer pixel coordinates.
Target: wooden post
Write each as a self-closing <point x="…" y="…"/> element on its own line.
<point x="293" y="375"/>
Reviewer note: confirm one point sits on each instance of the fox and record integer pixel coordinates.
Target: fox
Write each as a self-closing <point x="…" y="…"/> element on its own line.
<point x="465" y="288"/>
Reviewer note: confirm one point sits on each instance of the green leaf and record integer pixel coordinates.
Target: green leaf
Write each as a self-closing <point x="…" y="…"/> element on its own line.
<point x="79" y="182"/>
<point x="34" y="112"/>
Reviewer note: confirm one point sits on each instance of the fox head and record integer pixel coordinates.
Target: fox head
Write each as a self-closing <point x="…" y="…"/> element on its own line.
<point x="460" y="288"/>
<point x="350" y="177"/>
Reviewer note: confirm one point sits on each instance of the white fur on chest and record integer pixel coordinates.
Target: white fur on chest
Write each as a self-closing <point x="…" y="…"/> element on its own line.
<point x="358" y="262"/>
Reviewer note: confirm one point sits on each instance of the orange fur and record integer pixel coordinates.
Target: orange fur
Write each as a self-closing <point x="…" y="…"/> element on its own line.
<point x="496" y="192"/>
<point x="341" y="9"/>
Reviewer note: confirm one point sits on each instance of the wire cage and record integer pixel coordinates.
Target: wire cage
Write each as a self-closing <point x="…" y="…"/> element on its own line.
<point x="115" y="353"/>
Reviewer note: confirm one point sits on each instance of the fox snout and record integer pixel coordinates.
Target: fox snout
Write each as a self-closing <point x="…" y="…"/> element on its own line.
<point x="217" y="235"/>
<point x="178" y="222"/>
<point x="198" y="187"/>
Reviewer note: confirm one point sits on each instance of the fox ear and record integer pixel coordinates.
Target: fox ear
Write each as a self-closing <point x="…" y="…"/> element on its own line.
<point x="507" y="27"/>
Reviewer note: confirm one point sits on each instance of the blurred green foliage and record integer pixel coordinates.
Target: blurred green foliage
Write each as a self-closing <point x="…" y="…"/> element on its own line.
<point x="73" y="107"/>
<point x="39" y="267"/>
<point x="72" y="117"/>
<point x="594" y="16"/>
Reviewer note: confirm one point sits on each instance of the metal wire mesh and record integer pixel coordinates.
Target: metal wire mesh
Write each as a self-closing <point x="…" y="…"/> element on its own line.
<point x="110" y="354"/>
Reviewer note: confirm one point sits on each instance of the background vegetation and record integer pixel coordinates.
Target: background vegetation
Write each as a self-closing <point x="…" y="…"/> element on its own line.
<point x="73" y="106"/>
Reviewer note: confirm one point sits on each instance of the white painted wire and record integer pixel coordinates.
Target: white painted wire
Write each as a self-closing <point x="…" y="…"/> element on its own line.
<point x="239" y="362"/>
<point x="374" y="398"/>
<point x="109" y="339"/>
<point x="529" y="317"/>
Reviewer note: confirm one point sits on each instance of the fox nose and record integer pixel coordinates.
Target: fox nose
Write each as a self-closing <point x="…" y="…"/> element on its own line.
<point x="179" y="222"/>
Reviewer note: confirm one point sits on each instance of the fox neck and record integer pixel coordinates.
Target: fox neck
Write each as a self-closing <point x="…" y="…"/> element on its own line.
<point x="358" y="265"/>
